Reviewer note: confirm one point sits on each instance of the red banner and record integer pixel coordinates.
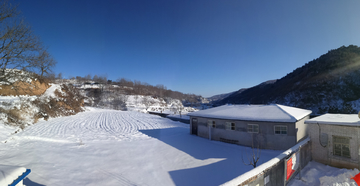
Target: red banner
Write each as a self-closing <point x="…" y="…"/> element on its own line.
<point x="289" y="166"/>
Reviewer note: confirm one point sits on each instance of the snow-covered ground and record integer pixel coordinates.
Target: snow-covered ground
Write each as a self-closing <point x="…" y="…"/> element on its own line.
<point x="108" y="147"/>
<point x="18" y="103"/>
<point x="319" y="174"/>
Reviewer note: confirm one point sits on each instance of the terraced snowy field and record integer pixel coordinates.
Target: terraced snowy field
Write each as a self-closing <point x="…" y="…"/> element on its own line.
<point x="107" y="147"/>
<point x="97" y="125"/>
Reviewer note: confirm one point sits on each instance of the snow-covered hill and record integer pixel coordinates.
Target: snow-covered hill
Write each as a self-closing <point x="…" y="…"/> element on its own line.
<point x="219" y="96"/>
<point x="119" y="101"/>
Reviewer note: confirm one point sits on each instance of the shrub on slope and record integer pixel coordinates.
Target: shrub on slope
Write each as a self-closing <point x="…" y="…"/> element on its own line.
<point x="61" y="100"/>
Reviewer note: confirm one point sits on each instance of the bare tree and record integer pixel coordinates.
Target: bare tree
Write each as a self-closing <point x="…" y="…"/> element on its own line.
<point x="51" y="77"/>
<point x="253" y="158"/>
<point x="138" y="87"/>
<point x="119" y="103"/>
<point x="18" y="45"/>
<point x="95" y="78"/>
<point x="161" y="90"/>
<point x="21" y="52"/>
<point x="44" y="62"/>
<point x="88" y="77"/>
<point x="59" y="76"/>
<point x="147" y="102"/>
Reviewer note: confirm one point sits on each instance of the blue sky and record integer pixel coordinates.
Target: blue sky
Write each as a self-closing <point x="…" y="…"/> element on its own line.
<point x="204" y="47"/>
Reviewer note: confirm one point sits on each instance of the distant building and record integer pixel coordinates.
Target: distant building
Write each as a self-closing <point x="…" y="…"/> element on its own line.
<point x="335" y="139"/>
<point x="274" y="126"/>
<point x="88" y="85"/>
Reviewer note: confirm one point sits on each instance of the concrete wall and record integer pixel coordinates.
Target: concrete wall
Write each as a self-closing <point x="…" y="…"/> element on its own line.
<point x="266" y="138"/>
<point x="274" y="174"/>
<point x="325" y="154"/>
<point x="302" y="129"/>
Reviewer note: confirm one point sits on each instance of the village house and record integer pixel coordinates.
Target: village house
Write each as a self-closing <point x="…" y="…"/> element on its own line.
<point x="273" y="126"/>
<point x="335" y="139"/>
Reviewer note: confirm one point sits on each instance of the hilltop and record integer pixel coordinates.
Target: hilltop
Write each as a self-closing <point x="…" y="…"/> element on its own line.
<point x="330" y="83"/>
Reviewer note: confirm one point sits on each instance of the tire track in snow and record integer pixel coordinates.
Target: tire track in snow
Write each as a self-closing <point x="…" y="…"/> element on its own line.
<point x="96" y="125"/>
<point x="121" y="179"/>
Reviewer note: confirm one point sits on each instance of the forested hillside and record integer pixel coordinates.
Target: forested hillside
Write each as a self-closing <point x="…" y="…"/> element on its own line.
<point x="330" y="83"/>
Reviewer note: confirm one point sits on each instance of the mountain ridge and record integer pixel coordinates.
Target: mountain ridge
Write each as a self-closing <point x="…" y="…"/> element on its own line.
<point x="330" y="83"/>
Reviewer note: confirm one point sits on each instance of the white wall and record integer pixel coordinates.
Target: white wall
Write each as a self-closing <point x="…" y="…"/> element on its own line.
<point x="325" y="154"/>
<point x="266" y="137"/>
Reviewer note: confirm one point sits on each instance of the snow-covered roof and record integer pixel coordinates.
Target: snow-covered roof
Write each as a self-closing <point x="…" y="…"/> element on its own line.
<point x="272" y="113"/>
<point x="336" y="119"/>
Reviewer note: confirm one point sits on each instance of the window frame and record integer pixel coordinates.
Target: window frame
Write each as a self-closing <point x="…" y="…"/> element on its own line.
<point x="253" y="128"/>
<point x="281" y="131"/>
<point x="211" y="123"/>
<point x="340" y="141"/>
<point x="230" y="125"/>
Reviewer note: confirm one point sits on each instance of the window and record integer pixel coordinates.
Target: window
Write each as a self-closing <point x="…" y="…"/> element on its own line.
<point x="229" y="126"/>
<point x="341" y="146"/>
<point x="211" y="123"/>
<point x="253" y="128"/>
<point x="280" y="129"/>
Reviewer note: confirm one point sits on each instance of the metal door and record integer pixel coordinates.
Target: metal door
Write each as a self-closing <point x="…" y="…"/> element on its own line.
<point x="194" y="128"/>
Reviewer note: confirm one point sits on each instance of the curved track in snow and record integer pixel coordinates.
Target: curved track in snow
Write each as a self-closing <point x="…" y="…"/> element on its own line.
<point x="94" y="125"/>
<point x="107" y="147"/>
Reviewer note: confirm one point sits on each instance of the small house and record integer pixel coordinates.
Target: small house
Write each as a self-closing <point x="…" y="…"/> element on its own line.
<point x="273" y="126"/>
<point x="335" y="139"/>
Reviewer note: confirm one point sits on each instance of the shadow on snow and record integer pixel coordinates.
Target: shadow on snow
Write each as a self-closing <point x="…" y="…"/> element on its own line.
<point x="28" y="182"/>
<point x="200" y="148"/>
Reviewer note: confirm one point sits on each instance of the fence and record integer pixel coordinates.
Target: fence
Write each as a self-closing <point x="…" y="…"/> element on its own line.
<point x="185" y="119"/>
<point x="276" y="172"/>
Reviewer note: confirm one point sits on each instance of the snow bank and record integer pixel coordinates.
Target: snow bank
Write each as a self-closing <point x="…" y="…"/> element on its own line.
<point x="6" y="131"/>
<point x="50" y="92"/>
<point x="315" y="173"/>
<point x="18" y="104"/>
<point x="15" y="75"/>
<point x="9" y="102"/>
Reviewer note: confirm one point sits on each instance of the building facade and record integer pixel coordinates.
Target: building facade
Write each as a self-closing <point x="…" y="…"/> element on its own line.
<point x="275" y="127"/>
<point x="335" y="139"/>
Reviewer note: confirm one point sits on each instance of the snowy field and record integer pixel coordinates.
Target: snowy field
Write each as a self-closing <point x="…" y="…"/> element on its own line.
<point x="107" y="147"/>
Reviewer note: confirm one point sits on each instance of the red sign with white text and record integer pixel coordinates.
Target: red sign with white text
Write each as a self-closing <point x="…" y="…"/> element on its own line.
<point x="291" y="166"/>
<point x="289" y="170"/>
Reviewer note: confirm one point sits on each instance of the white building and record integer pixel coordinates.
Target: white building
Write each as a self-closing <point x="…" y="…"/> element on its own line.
<point x="335" y="139"/>
<point x="266" y="126"/>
